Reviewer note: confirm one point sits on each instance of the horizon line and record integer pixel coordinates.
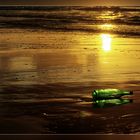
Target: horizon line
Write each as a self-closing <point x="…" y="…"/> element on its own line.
<point x="75" y="5"/>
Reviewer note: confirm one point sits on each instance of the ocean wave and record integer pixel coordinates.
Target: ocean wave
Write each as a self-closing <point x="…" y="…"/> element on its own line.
<point x="56" y="28"/>
<point x="86" y="8"/>
<point x="128" y="19"/>
<point x="72" y="18"/>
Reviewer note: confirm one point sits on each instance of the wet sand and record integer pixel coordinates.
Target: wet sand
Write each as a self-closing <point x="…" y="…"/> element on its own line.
<point x="47" y="78"/>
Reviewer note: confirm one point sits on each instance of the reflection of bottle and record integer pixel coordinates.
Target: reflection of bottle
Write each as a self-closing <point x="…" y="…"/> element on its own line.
<point x="110" y="102"/>
<point x="101" y="94"/>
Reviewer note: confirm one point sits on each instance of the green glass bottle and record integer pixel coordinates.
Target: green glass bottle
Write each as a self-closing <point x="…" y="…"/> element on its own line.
<point x="110" y="103"/>
<point x="101" y="94"/>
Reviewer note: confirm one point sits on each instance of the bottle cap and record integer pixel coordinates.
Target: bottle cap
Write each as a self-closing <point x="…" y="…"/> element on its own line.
<point x="131" y="92"/>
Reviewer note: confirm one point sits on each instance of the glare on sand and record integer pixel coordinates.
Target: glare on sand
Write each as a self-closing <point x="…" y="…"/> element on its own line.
<point x="106" y="42"/>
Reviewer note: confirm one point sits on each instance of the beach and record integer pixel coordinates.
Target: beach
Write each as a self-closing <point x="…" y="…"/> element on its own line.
<point x="50" y="65"/>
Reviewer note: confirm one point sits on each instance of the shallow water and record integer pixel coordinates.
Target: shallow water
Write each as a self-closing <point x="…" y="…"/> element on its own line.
<point x="48" y="75"/>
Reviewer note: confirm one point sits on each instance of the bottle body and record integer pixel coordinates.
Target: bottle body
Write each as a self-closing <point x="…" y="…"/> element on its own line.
<point x="101" y="94"/>
<point x="110" y="103"/>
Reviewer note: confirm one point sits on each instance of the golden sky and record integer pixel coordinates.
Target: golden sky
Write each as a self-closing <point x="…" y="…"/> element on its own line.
<point x="72" y="2"/>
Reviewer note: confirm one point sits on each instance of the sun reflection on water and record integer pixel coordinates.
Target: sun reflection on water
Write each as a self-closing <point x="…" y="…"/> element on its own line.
<point x="107" y="26"/>
<point x="106" y="42"/>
